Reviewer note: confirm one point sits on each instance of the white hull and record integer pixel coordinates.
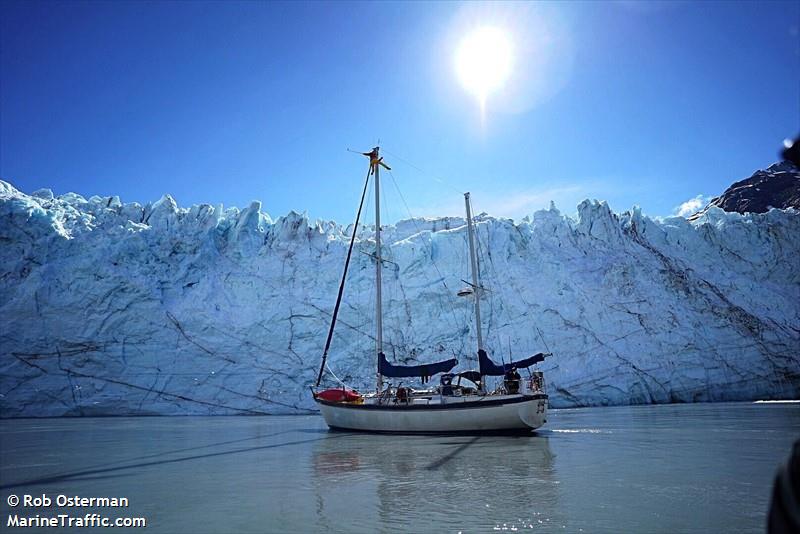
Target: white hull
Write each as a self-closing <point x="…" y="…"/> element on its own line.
<point x="491" y="413"/>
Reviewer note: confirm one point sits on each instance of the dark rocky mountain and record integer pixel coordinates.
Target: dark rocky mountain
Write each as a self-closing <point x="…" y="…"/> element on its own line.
<point x="777" y="186"/>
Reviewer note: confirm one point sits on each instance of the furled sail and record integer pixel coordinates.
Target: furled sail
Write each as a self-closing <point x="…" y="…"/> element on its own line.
<point x="424" y="371"/>
<point x="489" y="368"/>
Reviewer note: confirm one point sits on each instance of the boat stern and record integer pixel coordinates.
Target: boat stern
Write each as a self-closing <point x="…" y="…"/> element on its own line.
<point x="534" y="414"/>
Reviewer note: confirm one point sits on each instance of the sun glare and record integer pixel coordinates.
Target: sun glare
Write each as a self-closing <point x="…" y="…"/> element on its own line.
<point x="483" y="61"/>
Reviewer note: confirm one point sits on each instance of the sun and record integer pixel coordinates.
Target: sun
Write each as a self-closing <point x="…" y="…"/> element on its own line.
<point x="484" y="60"/>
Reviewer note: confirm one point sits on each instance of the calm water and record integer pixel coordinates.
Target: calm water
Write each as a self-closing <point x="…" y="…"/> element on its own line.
<point x="677" y="468"/>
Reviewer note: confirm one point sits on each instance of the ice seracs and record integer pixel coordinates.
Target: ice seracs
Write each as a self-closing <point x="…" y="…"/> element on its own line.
<point x="113" y="308"/>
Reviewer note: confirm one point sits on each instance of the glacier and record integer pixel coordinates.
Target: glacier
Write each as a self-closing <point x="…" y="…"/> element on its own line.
<point x="112" y="308"/>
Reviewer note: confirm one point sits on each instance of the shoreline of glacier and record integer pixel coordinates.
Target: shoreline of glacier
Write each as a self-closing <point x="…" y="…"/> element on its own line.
<point x="124" y="309"/>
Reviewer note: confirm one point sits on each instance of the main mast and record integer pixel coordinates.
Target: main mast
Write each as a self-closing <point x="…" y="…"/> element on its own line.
<point x="375" y="163"/>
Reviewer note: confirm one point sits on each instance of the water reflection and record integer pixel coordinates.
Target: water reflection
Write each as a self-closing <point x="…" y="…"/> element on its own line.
<point x="451" y="483"/>
<point x="335" y="463"/>
<point x="687" y="468"/>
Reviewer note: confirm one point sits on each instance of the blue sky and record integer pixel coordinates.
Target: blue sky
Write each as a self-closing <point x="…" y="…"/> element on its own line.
<point x="647" y="104"/>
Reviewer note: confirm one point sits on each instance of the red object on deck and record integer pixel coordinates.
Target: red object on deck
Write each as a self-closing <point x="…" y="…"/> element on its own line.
<point x="339" y="395"/>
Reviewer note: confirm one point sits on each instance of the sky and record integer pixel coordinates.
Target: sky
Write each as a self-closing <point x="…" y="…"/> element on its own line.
<point x="649" y="104"/>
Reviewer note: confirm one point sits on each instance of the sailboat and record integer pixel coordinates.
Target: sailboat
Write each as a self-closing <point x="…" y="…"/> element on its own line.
<point x="461" y="402"/>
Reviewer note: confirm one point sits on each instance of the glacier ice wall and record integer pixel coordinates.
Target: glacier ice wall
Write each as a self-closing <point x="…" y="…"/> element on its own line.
<point x="112" y="308"/>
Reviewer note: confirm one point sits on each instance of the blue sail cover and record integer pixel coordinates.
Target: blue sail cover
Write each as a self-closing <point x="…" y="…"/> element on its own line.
<point x="488" y="367"/>
<point x="425" y="370"/>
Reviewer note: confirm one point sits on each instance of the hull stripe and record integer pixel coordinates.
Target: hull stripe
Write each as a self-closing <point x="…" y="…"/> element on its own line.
<point x="509" y="432"/>
<point x="467" y="405"/>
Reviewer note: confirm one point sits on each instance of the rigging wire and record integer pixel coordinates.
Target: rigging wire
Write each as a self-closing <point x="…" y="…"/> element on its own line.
<point x="542" y="338"/>
<point x="383" y="201"/>
<point x="518" y="293"/>
<point x="440" y="180"/>
<point x="344" y="279"/>
<point x="491" y="273"/>
<point x="433" y="262"/>
<point x="389" y="287"/>
<point x="336" y="377"/>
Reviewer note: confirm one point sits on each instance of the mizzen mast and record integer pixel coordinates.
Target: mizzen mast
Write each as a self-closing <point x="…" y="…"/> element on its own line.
<point x="477" y="290"/>
<point x="474" y="263"/>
